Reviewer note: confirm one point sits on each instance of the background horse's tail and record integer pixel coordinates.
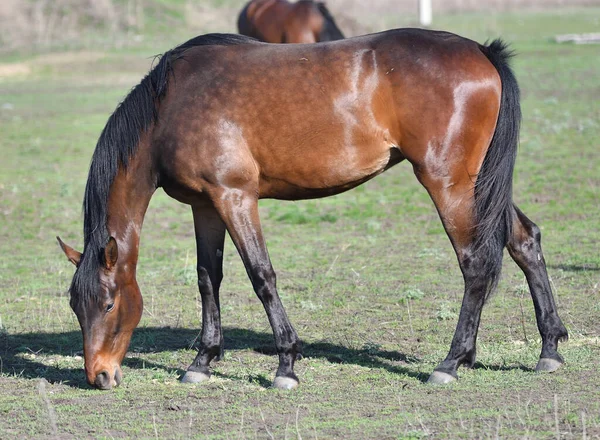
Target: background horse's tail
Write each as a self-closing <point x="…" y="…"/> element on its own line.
<point x="493" y="187"/>
<point x="330" y="31"/>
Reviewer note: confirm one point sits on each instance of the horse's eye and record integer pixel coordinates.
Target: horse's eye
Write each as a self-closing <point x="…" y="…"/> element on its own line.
<point x="110" y="307"/>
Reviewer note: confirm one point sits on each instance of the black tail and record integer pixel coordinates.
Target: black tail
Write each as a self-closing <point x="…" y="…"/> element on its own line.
<point x="493" y="187"/>
<point x="330" y="31"/>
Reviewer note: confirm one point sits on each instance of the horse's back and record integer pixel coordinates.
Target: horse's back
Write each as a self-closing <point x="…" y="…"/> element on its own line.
<point x="312" y="117"/>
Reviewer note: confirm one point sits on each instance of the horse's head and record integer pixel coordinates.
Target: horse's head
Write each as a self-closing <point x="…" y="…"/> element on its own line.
<point x="108" y="304"/>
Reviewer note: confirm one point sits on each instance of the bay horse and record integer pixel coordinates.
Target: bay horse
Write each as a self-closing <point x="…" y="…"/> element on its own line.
<point x="279" y="21"/>
<point x="224" y="120"/>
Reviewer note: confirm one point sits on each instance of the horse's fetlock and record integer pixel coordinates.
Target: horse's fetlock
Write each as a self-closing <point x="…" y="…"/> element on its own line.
<point x="470" y="358"/>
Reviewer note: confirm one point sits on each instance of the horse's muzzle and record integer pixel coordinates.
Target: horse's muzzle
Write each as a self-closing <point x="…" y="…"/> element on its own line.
<point x="104" y="380"/>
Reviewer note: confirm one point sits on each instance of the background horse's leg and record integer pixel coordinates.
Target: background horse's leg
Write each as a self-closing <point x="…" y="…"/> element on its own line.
<point x="239" y="211"/>
<point x="210" y="236"/>
<point x="456" y="208"/>
<point x="525" y="248"/>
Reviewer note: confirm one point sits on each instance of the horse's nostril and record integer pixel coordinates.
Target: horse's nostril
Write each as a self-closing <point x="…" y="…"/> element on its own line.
<point x="118" y="376"/>
<point x="103" y="381"/>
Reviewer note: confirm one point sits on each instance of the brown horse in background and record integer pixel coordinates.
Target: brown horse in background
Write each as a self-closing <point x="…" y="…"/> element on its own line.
<point x="224" y="120"/>
<point x="279" y="21"/>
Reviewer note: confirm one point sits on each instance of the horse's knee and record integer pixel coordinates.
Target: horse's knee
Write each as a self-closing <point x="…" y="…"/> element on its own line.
<point x="535" y="232"/>
<point x="532" y="245"/>
<point x="525" y="245"/>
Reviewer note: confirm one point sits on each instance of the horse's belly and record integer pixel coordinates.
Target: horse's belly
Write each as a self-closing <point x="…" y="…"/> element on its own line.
<point x="323" y="172"/>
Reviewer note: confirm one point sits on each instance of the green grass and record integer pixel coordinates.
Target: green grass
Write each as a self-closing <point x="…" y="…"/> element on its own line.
<point x="368" y="278"/>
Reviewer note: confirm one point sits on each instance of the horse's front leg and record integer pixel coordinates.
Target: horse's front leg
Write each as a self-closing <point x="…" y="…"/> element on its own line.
<point x="210" y="235"/>
<point x="239" y="210"/>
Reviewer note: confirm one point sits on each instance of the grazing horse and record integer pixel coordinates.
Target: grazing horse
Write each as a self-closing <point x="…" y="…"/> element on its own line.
<point x="224" y="120"/>
<point x="278" y="21"/>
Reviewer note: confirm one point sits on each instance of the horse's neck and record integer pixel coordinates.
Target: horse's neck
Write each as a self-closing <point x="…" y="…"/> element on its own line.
<point x="261" y="6"/>
<point x="130" y="194"/>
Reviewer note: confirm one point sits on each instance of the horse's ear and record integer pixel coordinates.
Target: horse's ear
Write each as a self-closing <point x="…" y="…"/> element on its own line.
<point x="111" y="253"/>
<point x="73" y="255"/>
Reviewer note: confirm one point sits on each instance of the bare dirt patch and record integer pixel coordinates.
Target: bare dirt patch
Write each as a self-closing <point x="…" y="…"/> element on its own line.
<point x="14" y="69"/>
<point x="63" y="58"/>
<point x="56" y="61"/>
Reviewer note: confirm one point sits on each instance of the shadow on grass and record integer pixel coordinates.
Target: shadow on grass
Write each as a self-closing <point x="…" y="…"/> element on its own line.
<point x="575" y="267"/>
<point x="18" y="353"/>
<point x="480" y="366"/>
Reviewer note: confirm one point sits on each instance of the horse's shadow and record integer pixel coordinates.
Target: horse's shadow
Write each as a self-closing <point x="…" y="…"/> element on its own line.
<point x="19" y="353"/>
<point x="576" y="267"/>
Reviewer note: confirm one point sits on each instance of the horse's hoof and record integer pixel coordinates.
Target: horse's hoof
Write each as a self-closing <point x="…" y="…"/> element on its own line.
<point x="285" y="383"/>
<point x="547" y="365"/>
<point x="440" y="378"/>
<point x="194" y="377"/>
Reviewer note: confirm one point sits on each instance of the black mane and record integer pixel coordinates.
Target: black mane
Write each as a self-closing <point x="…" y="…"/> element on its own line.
<point x="330" y="31"/>
<point x="118" y="142"/>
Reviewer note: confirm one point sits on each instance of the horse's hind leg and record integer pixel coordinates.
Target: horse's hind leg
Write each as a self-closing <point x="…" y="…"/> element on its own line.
<point x="525" y="248"/>
<point x="239" y="210"/>
<point x="456" y="209"/>
<point x="210" y="235"/>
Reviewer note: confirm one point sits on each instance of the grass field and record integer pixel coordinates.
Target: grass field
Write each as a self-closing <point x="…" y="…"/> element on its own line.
<point x="369" y="278"/>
